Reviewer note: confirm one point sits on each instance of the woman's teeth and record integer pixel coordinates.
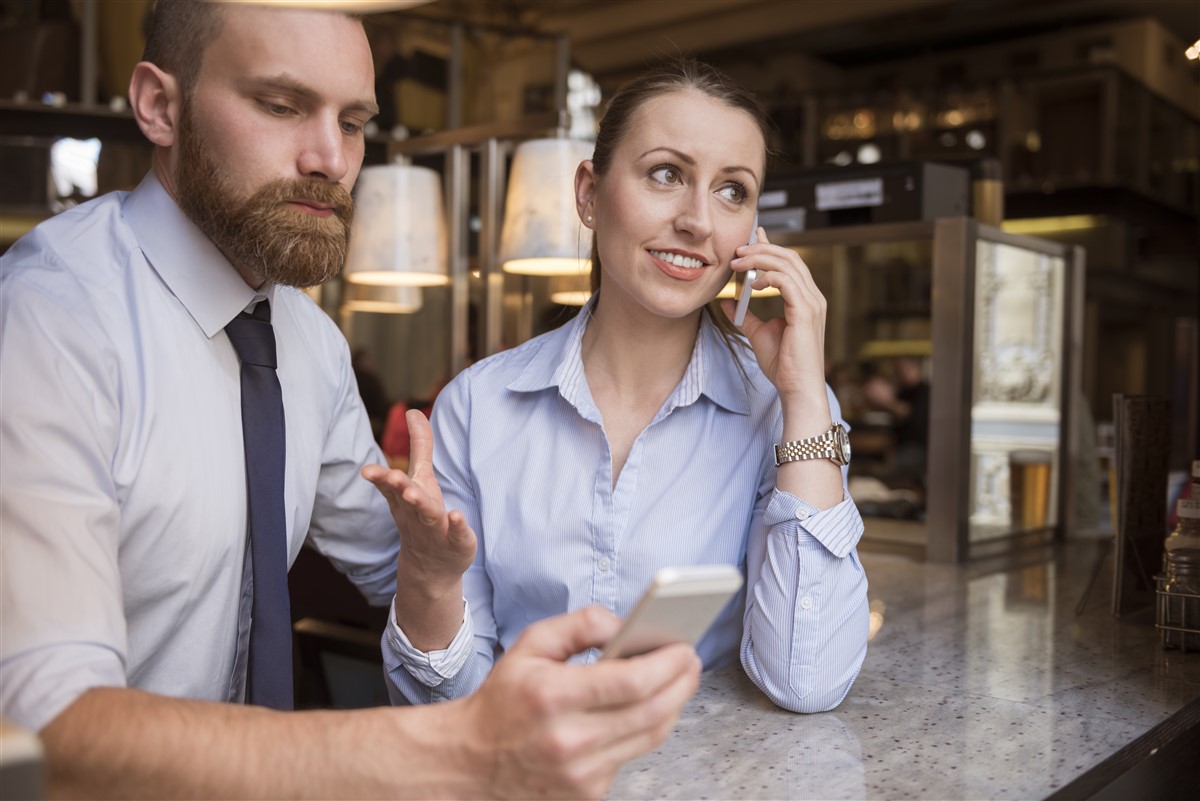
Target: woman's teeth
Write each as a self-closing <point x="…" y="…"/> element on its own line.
<point x="677" y="260"/>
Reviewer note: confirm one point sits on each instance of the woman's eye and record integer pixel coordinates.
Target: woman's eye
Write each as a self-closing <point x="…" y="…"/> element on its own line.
<point x="665" y="175"/>
<point x="734" y="192"/>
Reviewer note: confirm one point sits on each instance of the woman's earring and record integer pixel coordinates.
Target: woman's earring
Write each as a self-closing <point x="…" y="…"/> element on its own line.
<point x="587" y="218"/>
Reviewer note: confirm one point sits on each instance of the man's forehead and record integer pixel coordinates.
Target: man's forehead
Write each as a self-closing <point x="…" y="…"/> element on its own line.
<point x="320" y="50"/>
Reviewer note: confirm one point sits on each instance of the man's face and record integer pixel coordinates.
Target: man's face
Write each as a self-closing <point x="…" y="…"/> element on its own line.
<point x="270" y="141"/>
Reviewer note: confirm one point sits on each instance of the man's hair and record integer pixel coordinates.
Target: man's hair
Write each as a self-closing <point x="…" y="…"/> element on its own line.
<point x="178" y="32"/>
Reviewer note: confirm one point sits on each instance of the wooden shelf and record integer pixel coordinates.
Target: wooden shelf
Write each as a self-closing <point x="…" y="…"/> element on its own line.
<point x="73" y="119"/>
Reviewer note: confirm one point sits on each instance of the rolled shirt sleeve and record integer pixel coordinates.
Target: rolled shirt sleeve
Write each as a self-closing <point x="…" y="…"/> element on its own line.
<point x="429" y="668"/>
<point x="806" y="621"/>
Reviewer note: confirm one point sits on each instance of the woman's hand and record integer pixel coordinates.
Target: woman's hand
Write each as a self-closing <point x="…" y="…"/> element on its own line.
<point x="791" y="352"/>
<point x="436" y="546"/>
<point x="790" y="349"/>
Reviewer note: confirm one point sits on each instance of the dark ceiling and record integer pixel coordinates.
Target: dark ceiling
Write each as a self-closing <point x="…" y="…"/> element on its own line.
<point x="613" y="36"/>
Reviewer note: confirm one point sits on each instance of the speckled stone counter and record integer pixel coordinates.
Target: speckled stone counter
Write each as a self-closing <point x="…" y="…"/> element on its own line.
<point x="976" y="685"/>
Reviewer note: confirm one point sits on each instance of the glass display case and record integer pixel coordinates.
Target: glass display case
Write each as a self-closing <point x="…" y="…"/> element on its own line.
<point x="994" y="323"/>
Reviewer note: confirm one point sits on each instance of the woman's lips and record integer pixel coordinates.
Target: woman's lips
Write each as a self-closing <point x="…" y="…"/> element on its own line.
<point x="676" y="271"/>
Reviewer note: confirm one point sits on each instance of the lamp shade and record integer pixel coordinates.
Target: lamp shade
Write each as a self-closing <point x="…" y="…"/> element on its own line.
<point x="542" y="234"/>
<point x="380" y="299"/>
<point x="398" y="237"/>
<point x="572" y="290"/>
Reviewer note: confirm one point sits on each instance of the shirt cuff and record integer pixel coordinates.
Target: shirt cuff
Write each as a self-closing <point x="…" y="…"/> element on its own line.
<point x="434" y="667"/>
<point x="837" y="528"/>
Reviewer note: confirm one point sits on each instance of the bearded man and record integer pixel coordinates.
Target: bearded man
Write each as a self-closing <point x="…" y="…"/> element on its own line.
<point x="177" y="419"/>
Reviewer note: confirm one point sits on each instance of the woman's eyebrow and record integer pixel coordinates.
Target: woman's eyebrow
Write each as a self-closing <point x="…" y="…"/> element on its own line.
<point x="679" y="154"/>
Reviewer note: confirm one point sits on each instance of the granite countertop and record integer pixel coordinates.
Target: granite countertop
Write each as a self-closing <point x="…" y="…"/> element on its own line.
<point x="976" y="684"/>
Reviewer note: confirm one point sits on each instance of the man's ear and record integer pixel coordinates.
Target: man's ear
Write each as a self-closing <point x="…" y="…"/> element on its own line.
<point x="585" y="191"/>
<point x="155" y="98"/>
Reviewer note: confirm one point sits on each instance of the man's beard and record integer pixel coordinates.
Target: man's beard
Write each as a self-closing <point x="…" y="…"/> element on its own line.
<point x="259" y="233"/>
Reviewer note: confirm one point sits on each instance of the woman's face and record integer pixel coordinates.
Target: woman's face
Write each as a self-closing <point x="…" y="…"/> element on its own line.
<point x="678" y="198"/>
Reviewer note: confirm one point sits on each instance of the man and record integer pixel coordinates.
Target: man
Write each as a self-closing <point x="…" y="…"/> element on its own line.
<point x="128" y="584"/>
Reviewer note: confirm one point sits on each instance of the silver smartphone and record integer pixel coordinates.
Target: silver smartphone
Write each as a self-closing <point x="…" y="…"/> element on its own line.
<point x="678" y="606"/>
<point x="742" y="282"/>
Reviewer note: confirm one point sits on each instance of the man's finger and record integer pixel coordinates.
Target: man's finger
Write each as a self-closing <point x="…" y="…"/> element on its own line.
<point x="564" y="636"/>
<point x="609" y="683"/>
<point x="617" y="682"/>
<point x="613" y="736"/>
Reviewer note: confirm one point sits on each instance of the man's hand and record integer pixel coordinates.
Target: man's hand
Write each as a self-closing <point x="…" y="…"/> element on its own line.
<point x="545" y="729"/>
<point x="436" y="546"/>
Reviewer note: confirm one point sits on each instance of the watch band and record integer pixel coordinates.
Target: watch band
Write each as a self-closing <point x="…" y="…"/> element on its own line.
<point x="833" y="445"/>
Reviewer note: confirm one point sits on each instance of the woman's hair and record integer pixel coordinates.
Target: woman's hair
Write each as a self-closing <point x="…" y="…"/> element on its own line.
<point x="677" y="75"/>
<point x="177" y="34"/>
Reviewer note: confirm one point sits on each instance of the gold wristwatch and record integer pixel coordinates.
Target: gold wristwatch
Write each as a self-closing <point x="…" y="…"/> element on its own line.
<point x="834" y="445"/>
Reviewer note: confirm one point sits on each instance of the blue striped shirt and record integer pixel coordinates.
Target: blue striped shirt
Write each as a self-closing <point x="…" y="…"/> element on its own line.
<point x="520" y="449"/>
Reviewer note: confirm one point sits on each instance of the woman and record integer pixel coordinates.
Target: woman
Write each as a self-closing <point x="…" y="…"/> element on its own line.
<point x="641" y="434"/>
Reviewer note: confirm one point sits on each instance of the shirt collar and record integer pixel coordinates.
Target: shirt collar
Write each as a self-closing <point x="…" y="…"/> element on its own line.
<point x="712" y="370"/>
<point x="187" y="261"/>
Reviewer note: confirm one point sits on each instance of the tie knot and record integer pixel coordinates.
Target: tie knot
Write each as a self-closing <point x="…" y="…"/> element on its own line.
<point x="252" y="336"/>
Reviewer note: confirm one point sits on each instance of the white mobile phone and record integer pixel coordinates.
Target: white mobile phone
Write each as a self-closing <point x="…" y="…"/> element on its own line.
<point x="742" y="282"/>
<point x="678" y="606"/>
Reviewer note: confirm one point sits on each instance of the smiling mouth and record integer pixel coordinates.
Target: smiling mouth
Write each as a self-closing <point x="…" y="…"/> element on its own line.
<point x="686" y="262"/>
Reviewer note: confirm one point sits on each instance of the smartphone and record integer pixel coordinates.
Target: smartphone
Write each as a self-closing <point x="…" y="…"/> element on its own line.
<point x="678" y="606"/>
<point x="742" y="282"/>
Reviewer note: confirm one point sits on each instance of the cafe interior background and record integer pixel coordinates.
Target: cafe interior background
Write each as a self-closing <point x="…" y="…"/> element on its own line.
<point x="1003" y="193"/>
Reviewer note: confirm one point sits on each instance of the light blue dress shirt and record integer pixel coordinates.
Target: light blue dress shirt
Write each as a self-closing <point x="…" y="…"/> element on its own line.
<point x="520" y="449"/>
<point x="123" y="499"/>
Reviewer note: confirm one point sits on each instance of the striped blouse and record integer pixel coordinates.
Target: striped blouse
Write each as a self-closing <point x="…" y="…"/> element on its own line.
<point x="520" y="449"/>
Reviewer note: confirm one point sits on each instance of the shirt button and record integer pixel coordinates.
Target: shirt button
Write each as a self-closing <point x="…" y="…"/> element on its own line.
<point x="801" y="514"/>
<point x="806" y="602"/>
<point x="603" y="564"/>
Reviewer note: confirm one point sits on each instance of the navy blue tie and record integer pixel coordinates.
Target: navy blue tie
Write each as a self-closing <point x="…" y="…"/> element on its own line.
<point x="269" y="671"/>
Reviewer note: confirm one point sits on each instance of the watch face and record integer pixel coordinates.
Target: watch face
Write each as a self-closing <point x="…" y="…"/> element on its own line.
<point x="843" y="441"/>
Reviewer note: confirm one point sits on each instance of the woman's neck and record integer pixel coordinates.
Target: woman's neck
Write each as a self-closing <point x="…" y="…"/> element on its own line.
<point x="632" y="363"/>
<point x="635" y="356"/>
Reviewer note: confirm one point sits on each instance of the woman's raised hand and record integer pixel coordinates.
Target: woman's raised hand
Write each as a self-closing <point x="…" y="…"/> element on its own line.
<point x="436" y="546"/>
<point x="790" y="349"/>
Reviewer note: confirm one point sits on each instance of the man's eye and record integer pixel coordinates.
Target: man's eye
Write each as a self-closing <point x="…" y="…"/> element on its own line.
<point x="278" y="109"/>
<point x="351" y="127"/>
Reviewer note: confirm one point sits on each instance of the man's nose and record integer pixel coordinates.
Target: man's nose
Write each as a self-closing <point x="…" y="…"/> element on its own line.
<point x="323" y="150"/>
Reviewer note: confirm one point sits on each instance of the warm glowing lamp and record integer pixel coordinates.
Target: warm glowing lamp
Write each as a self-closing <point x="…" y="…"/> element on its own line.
<point x="570" y="290"/>
<point x="398" y="237"/>
<point x="380" y="299"/>
<point x="542" y="234"/>
<point x="729" y="291"/>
